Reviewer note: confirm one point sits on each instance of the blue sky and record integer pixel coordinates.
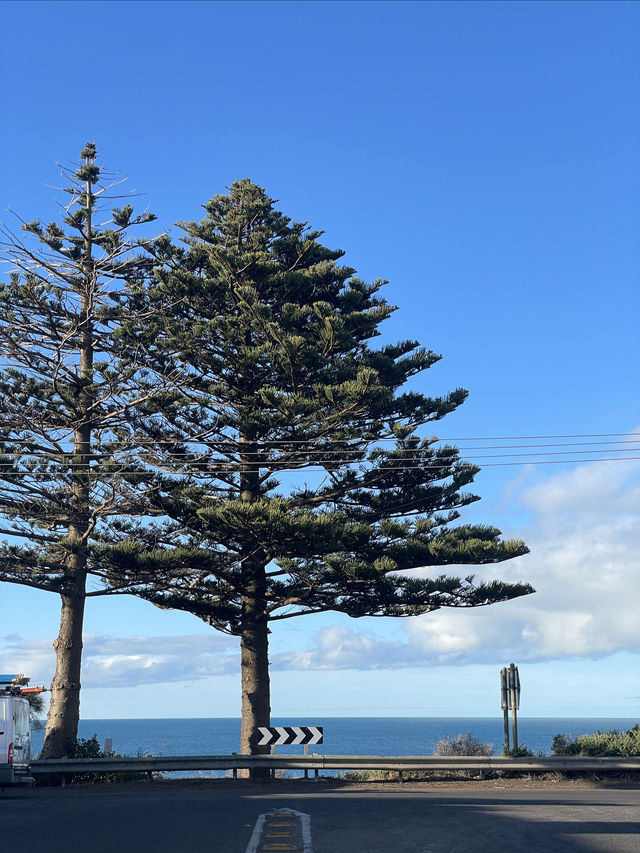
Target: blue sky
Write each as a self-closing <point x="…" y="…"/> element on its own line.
<point x="482" y="157"/>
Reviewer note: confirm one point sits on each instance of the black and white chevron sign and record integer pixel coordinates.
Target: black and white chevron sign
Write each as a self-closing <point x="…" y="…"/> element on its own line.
<point x="289" y="734"/>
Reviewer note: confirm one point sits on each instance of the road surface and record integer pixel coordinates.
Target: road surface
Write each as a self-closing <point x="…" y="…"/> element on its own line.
<point x="247" y="818"/>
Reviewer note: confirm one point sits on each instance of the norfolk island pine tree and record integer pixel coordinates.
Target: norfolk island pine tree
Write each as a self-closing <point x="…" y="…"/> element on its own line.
<point x="62" y="393"/>
<point x="271" y="339"/>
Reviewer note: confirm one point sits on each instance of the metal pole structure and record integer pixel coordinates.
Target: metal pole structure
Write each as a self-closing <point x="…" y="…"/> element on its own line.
<point x="504" y="698"/>
<point x="514" y="685"/>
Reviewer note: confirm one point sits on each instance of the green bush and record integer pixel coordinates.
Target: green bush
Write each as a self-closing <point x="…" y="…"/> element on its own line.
<point x="90" y="748"/>
<point x="600" y="744"/>
<point x="85" y="748"/>
<point x="522" y="751"/>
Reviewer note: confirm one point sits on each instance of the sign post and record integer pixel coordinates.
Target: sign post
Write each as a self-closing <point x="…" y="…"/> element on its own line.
<point x="514" y="700"/>
<point x="504" y="696"/>
<point x="510" y="700"/>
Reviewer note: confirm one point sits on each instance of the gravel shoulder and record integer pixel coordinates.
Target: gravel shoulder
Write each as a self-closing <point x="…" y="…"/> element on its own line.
<point x="547" y="782"/>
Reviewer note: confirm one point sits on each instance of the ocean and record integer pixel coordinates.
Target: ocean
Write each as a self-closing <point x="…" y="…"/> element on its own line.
<point x="342" y="735"/>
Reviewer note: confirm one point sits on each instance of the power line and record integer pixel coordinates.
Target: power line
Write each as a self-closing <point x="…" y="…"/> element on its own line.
<point x="412" y="457"/>
<point x="8" y="476"/>
<point x="275" y="443"/>
<point x="400" y="453"/>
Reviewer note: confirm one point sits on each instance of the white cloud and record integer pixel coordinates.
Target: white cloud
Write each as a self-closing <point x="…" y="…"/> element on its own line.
<point x="33" y="658"/>
<point x="596" y="491"/>
<point x="584" y="564"/>
<point x="341" y="648"/>
<point x="128" y="661"/>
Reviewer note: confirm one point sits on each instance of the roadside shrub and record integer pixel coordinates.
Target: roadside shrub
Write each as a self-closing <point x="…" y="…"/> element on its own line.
<point x="90" y="748"/>
<point x="463" y="745"/>
<point x="371" y="775"/>
<point x="599" y="744"/>
<point x="460" y="745"/>
<point x="522" y="751"/>
<point x="82" y="747"/>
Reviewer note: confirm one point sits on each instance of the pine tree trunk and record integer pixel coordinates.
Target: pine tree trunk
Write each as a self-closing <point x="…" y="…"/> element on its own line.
<point x="64" y="711"/>
<point x="256" y="694"/>
<point x="254" y="637"/>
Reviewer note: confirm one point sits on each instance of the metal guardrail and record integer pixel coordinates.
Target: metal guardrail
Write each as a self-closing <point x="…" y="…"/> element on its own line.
<point x="70" y="766"/>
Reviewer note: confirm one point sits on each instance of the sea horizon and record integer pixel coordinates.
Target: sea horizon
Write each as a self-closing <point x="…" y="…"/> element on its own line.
<point x="341" y="735"/>
<point x="389" y="717"/>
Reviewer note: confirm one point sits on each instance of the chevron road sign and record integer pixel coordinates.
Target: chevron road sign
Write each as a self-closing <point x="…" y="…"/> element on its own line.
<point x="289" y="735"/>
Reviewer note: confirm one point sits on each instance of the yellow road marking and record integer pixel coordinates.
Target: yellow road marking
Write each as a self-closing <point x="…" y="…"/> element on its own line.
<point x="286" y="831"/>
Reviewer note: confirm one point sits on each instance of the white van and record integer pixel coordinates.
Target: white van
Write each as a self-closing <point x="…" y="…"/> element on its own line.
<point x="15" y="740"/>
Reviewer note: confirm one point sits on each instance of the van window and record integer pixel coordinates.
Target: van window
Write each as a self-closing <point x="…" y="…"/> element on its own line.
<point x="22" y="718"/>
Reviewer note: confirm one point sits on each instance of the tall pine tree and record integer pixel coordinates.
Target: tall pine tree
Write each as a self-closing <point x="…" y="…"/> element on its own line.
<point x="272" y="338"/>
<point x="63" y="399"/>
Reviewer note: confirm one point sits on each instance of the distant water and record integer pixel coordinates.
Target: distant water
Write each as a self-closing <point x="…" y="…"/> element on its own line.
<point x="342" y="735"/>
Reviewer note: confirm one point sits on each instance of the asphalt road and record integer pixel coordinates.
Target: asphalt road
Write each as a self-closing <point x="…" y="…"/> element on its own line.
<point x="204" y="818"/>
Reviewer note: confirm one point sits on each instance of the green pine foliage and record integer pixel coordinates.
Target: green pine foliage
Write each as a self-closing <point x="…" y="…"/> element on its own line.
<point x="64" y="395"/>
<point x="271" y="336"/>
<point x="270" y="340"/>
<point x="211" y="427"/>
